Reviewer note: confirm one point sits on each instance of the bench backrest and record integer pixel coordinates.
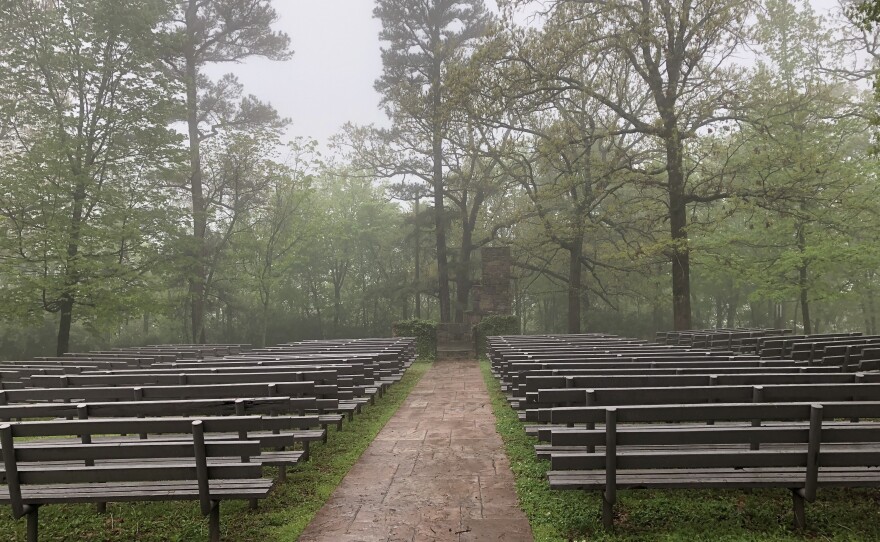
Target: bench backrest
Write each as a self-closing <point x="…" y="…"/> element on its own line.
<point x="179" y="378"/>
<point x="767" y="393"/>
<point x="193" y="464"/>
<point x="718" y="412"/>
<point x="158" y="393"/>
<point x="808" y="457"/>
<point x="192" y="407"/>
<point x="707" y="379"/>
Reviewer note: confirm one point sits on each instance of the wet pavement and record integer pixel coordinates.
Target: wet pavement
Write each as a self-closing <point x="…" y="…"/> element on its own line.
<point x="436" y="471"/>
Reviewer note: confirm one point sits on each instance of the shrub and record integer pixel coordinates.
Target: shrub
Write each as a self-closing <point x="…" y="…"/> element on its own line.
<point x="425" y="332"/>
<point x="493" y="325"/>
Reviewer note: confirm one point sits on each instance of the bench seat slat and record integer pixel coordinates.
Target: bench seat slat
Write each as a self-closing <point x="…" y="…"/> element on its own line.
<point x="133" y="472"/>
<point x="727" y="458"/>
<point x="136" y="492"/>
<point x="131" y="449"/>
<point x="713" y="478"/>
<point x="279" y="459"/>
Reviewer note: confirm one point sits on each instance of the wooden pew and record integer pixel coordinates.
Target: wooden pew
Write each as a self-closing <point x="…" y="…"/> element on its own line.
<point x="189" y="472"/>
<point x="847" y="459"/>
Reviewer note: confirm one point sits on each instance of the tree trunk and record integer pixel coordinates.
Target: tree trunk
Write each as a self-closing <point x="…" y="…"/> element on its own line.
<point x="802" y="281"/>
<point x="872" y="313"/>
<point x="463" y="271"/>
<point x="779" y="322"/>
<point x="732" y="306"/>
<point x="574" y="286"/>
<point x="337" y="307"/>
<point x="657" y="316"/>
<point x="719" y="312"/>
<point x="71" y="278"/>
<point x="439" y="209"/>
<point x="805" y="302"/>
<point x="418" y="247"/>
<point x="264" y="327"/>
<point x="197" y="277"/>
<point x="64" y="324"/>
<point x="681" y="281"/>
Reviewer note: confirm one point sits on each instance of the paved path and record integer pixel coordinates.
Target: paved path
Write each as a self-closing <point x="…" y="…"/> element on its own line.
<point x="437" y="471"/>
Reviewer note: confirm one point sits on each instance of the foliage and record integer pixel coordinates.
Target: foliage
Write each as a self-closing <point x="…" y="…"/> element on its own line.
<point x="194" y="35"/>
<point x="424" y="42"/>
<point x="494" y="324"/>
<point x="551" y="137"/>
<point x="84" y="208"/>
<point x="425" y="332"/>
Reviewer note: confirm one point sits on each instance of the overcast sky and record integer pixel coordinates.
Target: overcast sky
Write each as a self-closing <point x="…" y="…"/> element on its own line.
<point x="336" y="59"/>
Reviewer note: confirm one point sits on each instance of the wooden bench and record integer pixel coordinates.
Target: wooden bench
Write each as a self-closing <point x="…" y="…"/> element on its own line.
<point x="848" y="458"/>
<point x="134" y="409"/>
<point x="766" y="393"/>
<point x="516" y="381"/>
<point x="145" y="380"/>
<point x="524" y="393"/>
<point x="209" y="472"/>
<point x="276" y="435"/>
<point x="570" y="384"/>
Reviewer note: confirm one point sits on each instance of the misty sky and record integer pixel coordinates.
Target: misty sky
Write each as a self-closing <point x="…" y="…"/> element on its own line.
<point x="336" y="59"/>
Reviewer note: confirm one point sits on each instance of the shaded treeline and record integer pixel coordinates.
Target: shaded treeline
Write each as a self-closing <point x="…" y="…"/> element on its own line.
<point x="651" y="165"/>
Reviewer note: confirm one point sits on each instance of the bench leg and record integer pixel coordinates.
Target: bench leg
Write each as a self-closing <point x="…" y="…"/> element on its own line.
<point x="214" y="522"/>
<point x="33" y="520"/>
<point x="282" y="473"/>
<point x="305" y="450"/>
<point x="607" y="514"/>
<point x="800" y="516"/>
<point x="253" y="504"/>
<point x="101" y="508"/>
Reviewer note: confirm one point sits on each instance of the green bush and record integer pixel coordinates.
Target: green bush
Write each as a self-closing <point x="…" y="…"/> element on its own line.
<point x="425" y="332"/>
<point x="493" y="325"/>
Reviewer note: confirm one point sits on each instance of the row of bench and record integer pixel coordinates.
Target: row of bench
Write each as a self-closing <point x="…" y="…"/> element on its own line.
<point x="668" y="416"/>
<point x="852" y="351"/>
<point x="178" y="422"/>
<point x="736" y="339"/>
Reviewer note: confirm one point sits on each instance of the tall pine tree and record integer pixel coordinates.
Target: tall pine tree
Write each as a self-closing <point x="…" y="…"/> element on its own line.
<point x="423" y="39"/>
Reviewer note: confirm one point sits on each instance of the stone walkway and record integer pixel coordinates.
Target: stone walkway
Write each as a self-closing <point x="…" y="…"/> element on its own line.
<point x="436" y="471"/>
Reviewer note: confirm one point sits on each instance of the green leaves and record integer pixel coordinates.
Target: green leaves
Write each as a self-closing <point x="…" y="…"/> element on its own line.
<point x="89" y="159"/>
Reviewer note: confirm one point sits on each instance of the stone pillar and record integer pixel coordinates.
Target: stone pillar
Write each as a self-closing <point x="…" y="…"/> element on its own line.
<point x="495" y="294"/>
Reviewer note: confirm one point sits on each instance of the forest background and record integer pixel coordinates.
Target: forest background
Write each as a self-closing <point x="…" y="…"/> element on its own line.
<point x="651" y="165"/>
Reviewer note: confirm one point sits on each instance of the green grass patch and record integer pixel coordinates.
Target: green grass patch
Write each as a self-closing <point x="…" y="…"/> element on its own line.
<point x="281" y="517"/>
<point x="681" y="515"/>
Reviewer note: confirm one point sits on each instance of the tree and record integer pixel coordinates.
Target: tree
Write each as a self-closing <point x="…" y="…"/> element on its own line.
<point x="681" y="50"/>
<point x="199" y="33"/>
<point x="83" y="205"/>
<point x="569" y="152"/>
<point x="805" y="152"/>
<point x="423" y="40"/>
<point x="276" y="226"/>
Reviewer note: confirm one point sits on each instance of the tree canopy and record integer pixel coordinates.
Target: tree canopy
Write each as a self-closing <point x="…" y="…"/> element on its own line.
<point x="650" y="165"/>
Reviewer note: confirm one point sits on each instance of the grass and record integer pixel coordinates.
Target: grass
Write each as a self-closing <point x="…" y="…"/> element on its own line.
<point x="281" y="517"/>
<point x="681" y="515"/>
